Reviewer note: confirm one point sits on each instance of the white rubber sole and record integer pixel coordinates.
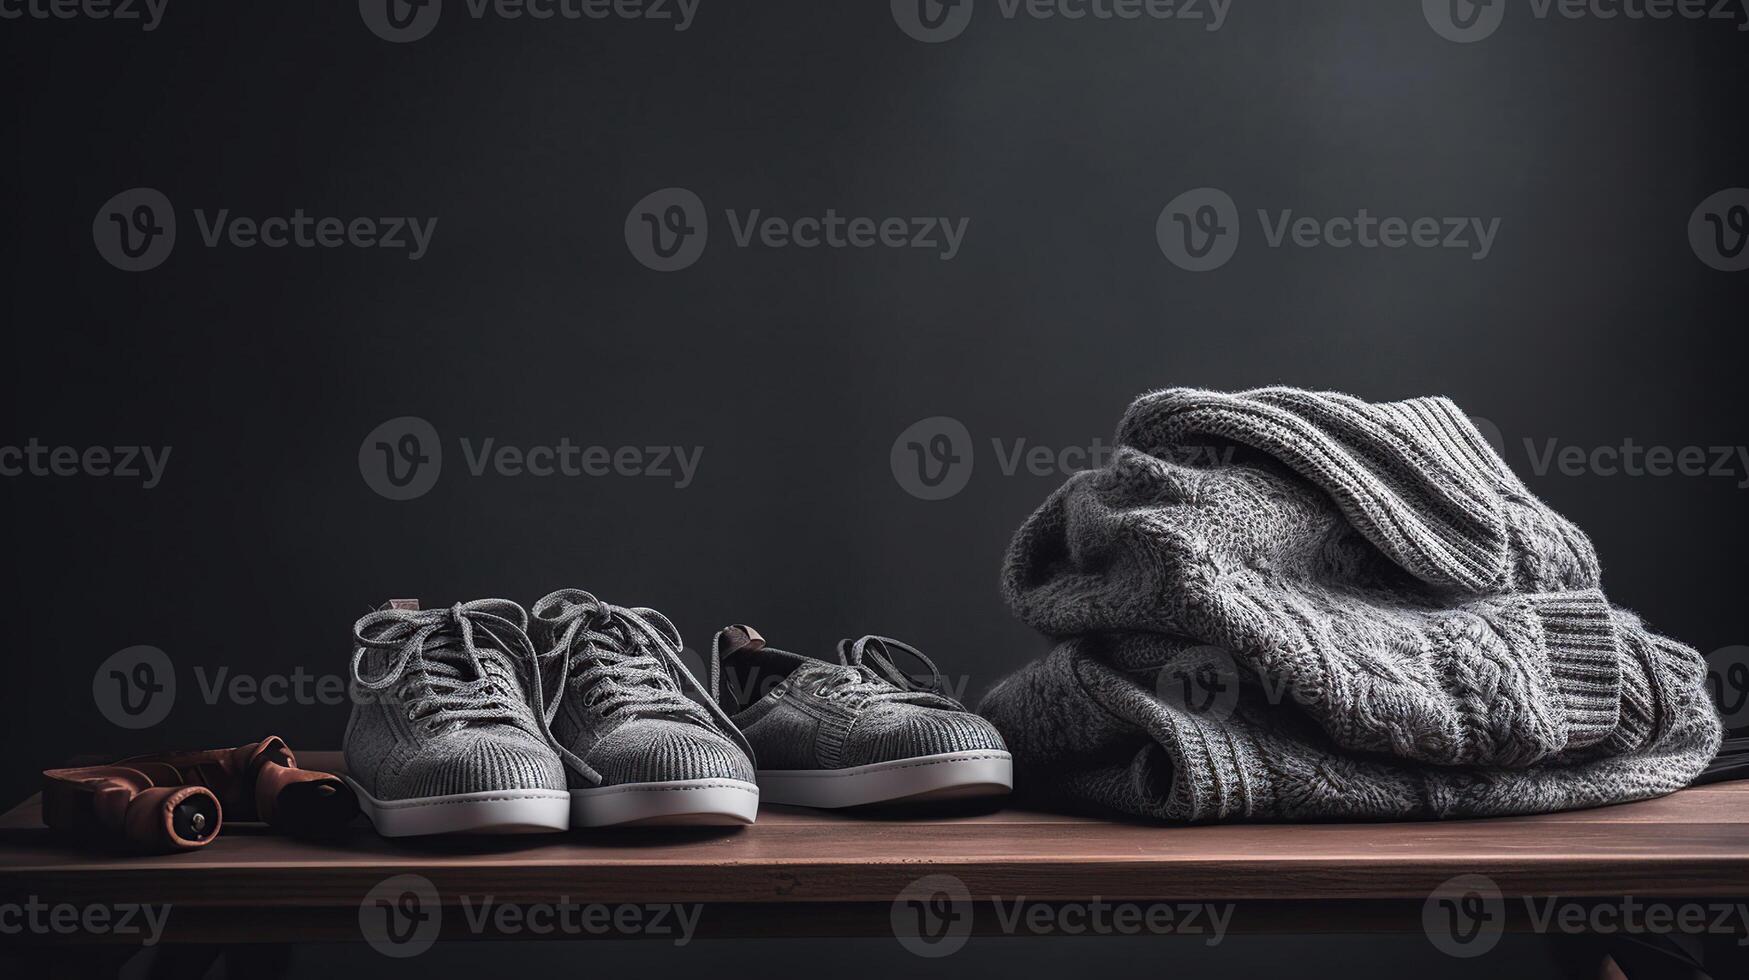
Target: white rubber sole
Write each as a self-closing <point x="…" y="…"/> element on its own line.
<point x="682" y="802"/>
<point x="951" y="775"/>
<point x="512" y="811"/>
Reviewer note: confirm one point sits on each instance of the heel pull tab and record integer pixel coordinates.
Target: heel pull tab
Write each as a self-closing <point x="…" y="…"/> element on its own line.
<point x="738" y="638"/>
<point x="729" y="641"/>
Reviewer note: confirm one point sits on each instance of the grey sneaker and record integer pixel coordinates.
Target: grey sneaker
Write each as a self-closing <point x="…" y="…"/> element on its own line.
<point x="443" y="737"/>
<point x="854" y="732"/>
<point x="639" y="750"/>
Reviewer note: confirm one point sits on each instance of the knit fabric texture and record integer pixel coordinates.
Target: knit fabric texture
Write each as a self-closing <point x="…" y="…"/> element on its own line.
<point x="440" y="706"/>
<point x="620" y="711"/>
<point x="1294" y="605"/>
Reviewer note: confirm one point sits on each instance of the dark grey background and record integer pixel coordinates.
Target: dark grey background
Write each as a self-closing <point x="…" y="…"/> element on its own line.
<point x="529" y="321"/>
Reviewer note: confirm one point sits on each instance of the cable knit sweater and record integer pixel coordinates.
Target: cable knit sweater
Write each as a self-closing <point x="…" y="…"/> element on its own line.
<point x="1284" y="604"/>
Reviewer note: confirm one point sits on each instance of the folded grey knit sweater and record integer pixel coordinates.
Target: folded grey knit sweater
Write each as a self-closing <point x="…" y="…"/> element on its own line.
<point x="1284" y="604"/>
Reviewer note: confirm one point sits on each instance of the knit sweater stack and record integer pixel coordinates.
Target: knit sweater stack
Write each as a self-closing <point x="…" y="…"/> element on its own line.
<point x="1291" y="605"/>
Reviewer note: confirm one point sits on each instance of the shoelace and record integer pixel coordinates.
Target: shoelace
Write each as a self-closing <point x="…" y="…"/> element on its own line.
<point x="439" y="650"/>
<point x="873" y="676"/>
<point x="626" y="662"/>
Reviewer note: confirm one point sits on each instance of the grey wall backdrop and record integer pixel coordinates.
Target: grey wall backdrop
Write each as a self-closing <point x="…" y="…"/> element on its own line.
<point x="1069" y="179"/>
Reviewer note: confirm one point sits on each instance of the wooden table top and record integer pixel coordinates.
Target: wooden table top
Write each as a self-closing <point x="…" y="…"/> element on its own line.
<point x="1692" y="844"/>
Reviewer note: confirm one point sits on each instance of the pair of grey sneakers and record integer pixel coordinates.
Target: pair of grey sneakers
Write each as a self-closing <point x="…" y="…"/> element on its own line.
<point x="481" y="718"/>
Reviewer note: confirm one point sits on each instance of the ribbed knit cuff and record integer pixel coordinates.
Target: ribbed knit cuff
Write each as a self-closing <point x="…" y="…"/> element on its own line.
<point x="1216" y="777"/>
<point x="1210" y="770"/>
<point x="1440" y="426"/>
<point x="1545" y="550"/>
<point x="1584" y="653"/>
